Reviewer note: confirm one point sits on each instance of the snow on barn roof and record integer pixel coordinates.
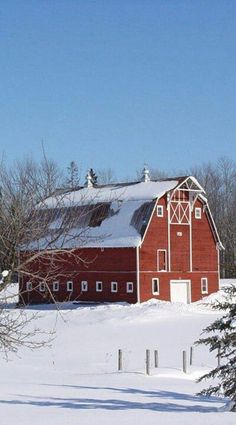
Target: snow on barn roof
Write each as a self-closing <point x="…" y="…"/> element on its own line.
<point x="138" y="191"/>
<point x="103" y="216"/>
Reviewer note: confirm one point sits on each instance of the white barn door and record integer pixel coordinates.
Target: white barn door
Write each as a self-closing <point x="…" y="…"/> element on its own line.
<point x="180" y="291"/>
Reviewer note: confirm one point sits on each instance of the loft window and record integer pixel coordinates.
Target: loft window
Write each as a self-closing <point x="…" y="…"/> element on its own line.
<point x="99" y="286"/>
<point x="198" y="213"/>
<point x="69" y="286"/>
<point x="160" y="211"/>
<point x="204" y="285"/>
<point x="155" y="286"/>
<point x="161" y="260"/>
<point x="55" y="286"/>
<point x="84" y="286"/>
<point x="114" y="287"/>
<point x="129" y="287"/>
<point x="29" y="286"/>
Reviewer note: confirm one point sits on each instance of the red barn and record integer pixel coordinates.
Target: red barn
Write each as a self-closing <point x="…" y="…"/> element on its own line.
<point x="130" y="242"/>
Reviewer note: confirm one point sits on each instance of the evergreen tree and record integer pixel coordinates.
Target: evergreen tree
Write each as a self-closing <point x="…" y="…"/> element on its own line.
<point x="94" y="176"/>
<point x="222" y="338"/>
<point x="72" y="180"/>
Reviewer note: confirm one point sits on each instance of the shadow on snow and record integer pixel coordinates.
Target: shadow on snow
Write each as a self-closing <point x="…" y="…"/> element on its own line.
<point x="165" y="401"/>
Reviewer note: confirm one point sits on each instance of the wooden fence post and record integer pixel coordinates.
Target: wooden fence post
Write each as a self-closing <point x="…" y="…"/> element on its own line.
<point x="184" y="362"/>
<point x="191" y="356"/>
<point x="156" y="358"/>
<point x="119" y="359"/>
<point x="147" y="362"/>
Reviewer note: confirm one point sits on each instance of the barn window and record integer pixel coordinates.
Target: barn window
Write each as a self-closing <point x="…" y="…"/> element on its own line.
<point x="84" y="286"/>
<point x="29" y="286"/>
<point x="55" y="286"/>
<point x="69" y="286"/>
<point x="204" y="285"/>
<point x="114" y="287"/>
<point x="42" y="287"/>
<point x="155" y="286"/>
<point x="129" y="287"/>
<point x="99" y="286"/>
<point x="198" y="213"/>
<point x="161" y="260"/>
<point x="160" y="211"/>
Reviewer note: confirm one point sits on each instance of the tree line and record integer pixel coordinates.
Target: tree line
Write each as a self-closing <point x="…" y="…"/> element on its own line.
<point x="28" y="182"/>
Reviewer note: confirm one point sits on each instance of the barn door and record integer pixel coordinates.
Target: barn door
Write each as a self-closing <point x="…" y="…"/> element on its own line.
<point x="180" y="291"/>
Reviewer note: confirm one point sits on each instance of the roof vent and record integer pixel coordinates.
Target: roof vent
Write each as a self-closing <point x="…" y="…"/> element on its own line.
<point x="146" y="175"/>
<point x="89" y="179"/>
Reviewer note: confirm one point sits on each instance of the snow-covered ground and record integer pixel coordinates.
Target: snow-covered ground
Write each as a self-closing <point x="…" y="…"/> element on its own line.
<point x="227" y="282"/>
<point x="76" y="380"/>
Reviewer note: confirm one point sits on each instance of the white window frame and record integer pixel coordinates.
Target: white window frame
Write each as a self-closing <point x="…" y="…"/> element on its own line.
<point x="98" y="283"/>
<point x="198" y="213"/>
<point x="128" y="289"/>
<point x="160" y="211"/>
<point x="158" y="286"/>
<point x="84" y="286"/>
<point x="114" y="287"/>
<point x="55" y="286"/>
<point x="29" y="286"/>
<point x="204" y="285"/>
<point x="69" y="286"/>
<point x="158" y="265"/>
<point x="42" y="287"/>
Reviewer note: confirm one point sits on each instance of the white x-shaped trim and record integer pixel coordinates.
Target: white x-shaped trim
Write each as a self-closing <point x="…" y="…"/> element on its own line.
<point x="180" y="212"/>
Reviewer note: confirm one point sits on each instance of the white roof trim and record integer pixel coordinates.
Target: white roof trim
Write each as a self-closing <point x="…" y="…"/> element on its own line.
<point x="204" y="199"/>
<point x="194" y="180"/>
<point x="150" y="219"/>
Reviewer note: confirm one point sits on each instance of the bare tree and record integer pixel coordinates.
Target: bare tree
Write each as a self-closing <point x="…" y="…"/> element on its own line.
<point x="219" y="181"/>
<point x="106" y="176"/>
<point x="73" y="178"/>
<point x="23" y="186"/>
<point x="18" y="327"/>
<point x="36" y="232"/>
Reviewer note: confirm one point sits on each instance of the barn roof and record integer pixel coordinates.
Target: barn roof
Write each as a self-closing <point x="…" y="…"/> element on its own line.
<point x="103" y="216"/>
<point x="115" y="215"/>
<point x="137" y="191"/>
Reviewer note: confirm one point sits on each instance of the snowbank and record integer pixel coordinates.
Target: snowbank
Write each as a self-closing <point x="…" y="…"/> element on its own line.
<point x="76" y="380"/>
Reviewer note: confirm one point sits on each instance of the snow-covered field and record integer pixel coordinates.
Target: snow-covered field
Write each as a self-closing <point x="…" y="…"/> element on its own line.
<point x="76" y="380"/>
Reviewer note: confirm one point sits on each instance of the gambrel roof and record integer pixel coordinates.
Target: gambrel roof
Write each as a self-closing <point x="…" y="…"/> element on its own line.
<point x="115" y="215"/>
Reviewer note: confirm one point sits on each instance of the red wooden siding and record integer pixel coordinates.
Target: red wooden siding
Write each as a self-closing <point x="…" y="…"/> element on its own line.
<point x="164" y="284"/>
<point x="204" y="245"/>
<point x="108" y="265"/>
<point x="204" y="255"/>
<point x="180" y="247"/>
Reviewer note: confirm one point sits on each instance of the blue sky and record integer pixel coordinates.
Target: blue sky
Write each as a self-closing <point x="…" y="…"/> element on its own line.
<point x="116" y="83"/>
